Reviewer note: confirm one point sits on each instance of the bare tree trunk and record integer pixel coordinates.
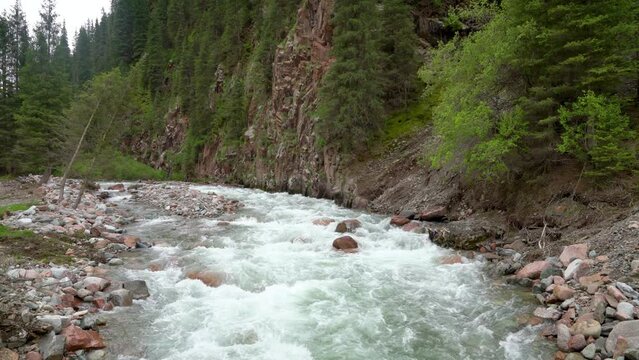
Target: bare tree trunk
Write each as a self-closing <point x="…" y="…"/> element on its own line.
<point x="86" y="179"/>
<point x="82" y="189"/>
<point x="75" y="154"/>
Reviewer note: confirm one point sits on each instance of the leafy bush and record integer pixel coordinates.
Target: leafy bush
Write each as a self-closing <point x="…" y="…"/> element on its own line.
<point x="113" y="165"/>
<point x="596" y="132"/>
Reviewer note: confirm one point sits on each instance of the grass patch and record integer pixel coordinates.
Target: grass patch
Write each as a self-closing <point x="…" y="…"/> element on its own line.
<point x="113" y="165"/>
<point x="15" y="208"/>
<point x="21" y="246"/>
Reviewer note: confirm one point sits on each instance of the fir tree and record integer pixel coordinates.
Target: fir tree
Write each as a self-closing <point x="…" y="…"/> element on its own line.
<point x="351" y="96"/>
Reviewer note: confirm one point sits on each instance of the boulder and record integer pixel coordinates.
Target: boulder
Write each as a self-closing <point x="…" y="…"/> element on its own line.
<point x="434" y="214"/>
<point x="587" y="328"/>
<point x="563" y="336"/>
<point x="33" y="355"/>
<point x="138" y="288"/>
<point x="627" y="290"/>
<point x="130" y="241"/>
<point x="122" y="297"/>
<point x="57" y="322"/>
<point x="414" y="227"/>
<point x="94" y="284"/>
<point x="6" y="354"/>
<point x="577" y="342"/>
<point x="78" y="339"/>
<point x="627" y="329"/>
<point x="117" y="187"/>
<point x="625" y="311"/>
<point x="398" y="220"/>
<point x="348" y="226"/>
<point x="615" y="294"/>
<point x="576" y="269"/>
<point x="563" y="292"/>
<point x="452" y="259"/>
<point x="209" y="278"/>
<point x="52" y="346"/>
<point x="345" y="243"/>
<point x="572" y="252"/>
<point x="533" y="270"/>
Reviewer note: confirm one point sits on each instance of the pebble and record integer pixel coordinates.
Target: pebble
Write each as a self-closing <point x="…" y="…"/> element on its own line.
<point x="589" y="351"/>
<point x="625" y="311"/>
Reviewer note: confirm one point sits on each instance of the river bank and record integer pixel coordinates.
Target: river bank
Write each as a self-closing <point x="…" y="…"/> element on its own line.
<point x="549" y="280"/>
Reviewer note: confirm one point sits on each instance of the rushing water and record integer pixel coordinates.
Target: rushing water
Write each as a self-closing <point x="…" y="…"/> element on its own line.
<point x="288" y="295"/>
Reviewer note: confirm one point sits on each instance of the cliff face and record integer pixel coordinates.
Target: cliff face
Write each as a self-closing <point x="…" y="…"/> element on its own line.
<point x="279" y="152"/>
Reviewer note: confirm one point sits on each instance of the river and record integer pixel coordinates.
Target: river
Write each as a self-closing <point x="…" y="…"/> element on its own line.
<point x="288" y="295"/>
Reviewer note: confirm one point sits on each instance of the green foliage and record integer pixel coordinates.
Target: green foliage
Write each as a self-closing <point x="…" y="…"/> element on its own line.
<point x="501" y="87"/>
<point x="351" y="96"/>
<point x="14" y="208"/>
<point x="597" y="133"/>
<point x="406" y="122"/>
<point x="111" y="164"/>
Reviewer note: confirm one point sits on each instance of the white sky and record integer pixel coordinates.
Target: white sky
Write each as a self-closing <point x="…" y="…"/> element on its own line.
<point x="74" y="12"/>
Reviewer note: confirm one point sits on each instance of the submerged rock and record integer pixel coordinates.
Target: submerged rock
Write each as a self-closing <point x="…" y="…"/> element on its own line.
<point x="209" y="278"/>
<point x="138" y="288"/>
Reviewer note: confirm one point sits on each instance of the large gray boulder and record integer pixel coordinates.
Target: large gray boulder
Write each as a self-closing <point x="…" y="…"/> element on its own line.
<point x="138" y="289"/>
<point x="629" y="330"/>
<point x="52" y="346"/>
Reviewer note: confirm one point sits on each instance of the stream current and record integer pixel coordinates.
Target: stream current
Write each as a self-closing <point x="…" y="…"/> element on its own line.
<point x="288" y="295"/>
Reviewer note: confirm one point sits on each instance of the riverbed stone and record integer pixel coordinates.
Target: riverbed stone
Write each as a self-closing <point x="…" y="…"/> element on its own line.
<point x="547" y="313"/>
<point x="574" y="356"/>
<point x="563" y="292"/>
<point x="533" y="270"/>
<point x="563" y="336"/>
<point x="577" y="342"/>
<point x="345" y="243"/>
<point x="138" y="289"/>
<point x="32" y="355"/>
<point x="398" y="220"/>
<point x="589" y="351"/>
<point x="572" y="252"/>
<point x="122" y="297"/>
<point x="57" y="322"/>
<point x="94" y="284"/>
<point x="625" y="311"/>
<point x="587" y="328"/>
<point x="627" y="290"/>
<point x="349" y="225"/>
<point x="208" y="278"/>
<point x="78" y="339"/>
<point x="323" y="221"/>
<point x="626" y="329"/>
<point x="6" y="354"/>
<point x="52" y="346"/>
<point x="576" y="269"/>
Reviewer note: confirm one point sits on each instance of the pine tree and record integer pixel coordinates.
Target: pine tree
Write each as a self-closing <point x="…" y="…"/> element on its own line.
<point x="351" y="96"/>
<point x="401" y="60"/>
<point x="82" y="66"/>
<point x="62" y="55"/>
<point x="44" y="94"/>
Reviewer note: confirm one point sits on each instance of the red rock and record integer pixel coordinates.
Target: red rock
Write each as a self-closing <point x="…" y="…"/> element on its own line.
<point x="69" y="290"/>
<point x="348" y="226"/>
<point x="621" y="347"/>
<point x="78" y="339"/>
<point x="345" y="243"/>
<point x="130" y="241"/>
<point x="611" y="300"/>
<point x="323" y="221"/>
<point x="452" y="259"/>
<point x="398" y="220"/>
<point x="413" y="226"/>
<point x="576" y="251"/>
<point x="209" y="278"/>
<point x="101" y="244"/>
<point x="614" y="292"/>
<point x="68" y="300"/>
<point x="597" y="279"/>
<point x="602" y="258"/>
<point x="533" y="270"/>
<point x="156" y="266"/>
<point x="117" y="187"/>
<point x="577" y="342"/>
<point x="563" y="292"/>
<point x="558" y="280"/>
<point x="434" y="214"/>
<point x="33" y="355"/>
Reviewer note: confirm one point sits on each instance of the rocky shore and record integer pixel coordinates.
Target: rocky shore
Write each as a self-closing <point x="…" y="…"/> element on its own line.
<point x="52" y="310"/>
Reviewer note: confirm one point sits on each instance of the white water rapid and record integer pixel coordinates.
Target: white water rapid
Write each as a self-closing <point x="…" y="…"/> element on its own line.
<point x="288" y="295"/>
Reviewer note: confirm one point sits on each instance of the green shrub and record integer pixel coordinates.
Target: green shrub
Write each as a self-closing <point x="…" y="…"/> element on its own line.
<point x="596" y="132"/>
<point x="113" y="165"/>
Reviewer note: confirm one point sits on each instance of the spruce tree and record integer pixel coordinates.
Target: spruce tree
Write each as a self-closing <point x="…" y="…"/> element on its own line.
<point x="352" y="93"/>
<point x="401" y="60"/>
<point x="44" y="93"/>
<point x="82" y="66"/>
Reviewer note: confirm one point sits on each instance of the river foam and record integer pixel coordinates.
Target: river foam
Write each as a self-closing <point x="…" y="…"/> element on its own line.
<point x="288" y="295"/>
